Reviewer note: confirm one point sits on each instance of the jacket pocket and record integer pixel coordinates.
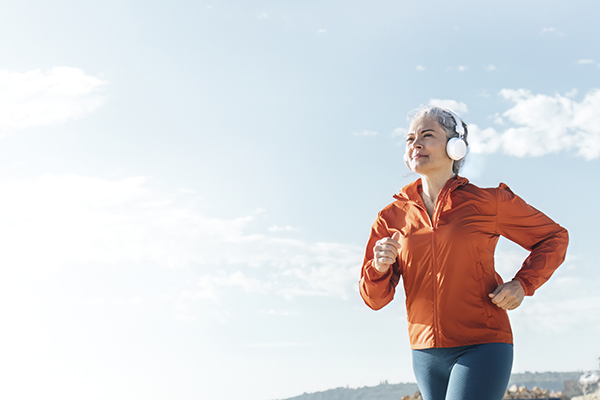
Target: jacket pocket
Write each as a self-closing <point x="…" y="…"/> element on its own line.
<point x="485" y="290"/>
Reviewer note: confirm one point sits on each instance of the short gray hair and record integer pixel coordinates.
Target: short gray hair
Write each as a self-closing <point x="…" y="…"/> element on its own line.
<point x="446" y="120"/>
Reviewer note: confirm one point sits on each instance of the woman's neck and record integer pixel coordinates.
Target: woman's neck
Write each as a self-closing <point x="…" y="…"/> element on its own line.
<point x="433" y="184"/>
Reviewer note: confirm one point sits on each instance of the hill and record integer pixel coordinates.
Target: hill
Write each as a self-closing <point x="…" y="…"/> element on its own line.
<point x="383" y="391"/>
<point x="386" y="391"/>
<point x="546" y="380"/>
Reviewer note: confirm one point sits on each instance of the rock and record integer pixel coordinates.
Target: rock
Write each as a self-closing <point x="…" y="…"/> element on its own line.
<point x="589" y="385"/>
<point x="416" y="396"/>
<point x="522" y="392"/>
<point x="591" y="396"/>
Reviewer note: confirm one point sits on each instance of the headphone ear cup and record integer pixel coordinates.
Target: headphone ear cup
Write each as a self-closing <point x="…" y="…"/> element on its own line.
<point x="456" y="148"/>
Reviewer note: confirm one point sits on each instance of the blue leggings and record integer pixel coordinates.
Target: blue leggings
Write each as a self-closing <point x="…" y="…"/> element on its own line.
<point x="478" y="372"/>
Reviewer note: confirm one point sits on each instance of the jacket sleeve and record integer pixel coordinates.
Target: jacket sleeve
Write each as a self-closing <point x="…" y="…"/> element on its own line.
<point x="533" y="230"/>
<point x="377" y="289"/>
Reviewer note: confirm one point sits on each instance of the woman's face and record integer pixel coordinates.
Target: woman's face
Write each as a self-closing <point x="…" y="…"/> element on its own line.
<point x="426" y="147"/>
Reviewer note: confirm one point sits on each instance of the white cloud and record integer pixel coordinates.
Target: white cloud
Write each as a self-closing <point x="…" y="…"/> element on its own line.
<point x="572" y="93"/>
<point x="589" y="61"/>
<point x="322" y="31"/>
<point x="571" y="300"/>
<point x="263" y="15"/>
<point x="556" y="297"/>
<point x="240" y="280"/>
<point x="497" y="119"/>
<point x="542" y="125"/>
<point x="461" y="68"/>
<point x="276" y="228"/>
<point x="490" y="67"/>
<point x="456" y="106"/>
<point x="551" y="30"/>
<point x="38" y="98"/>
<point x="365" y="132"/>
<point x="81" y="222"/>
<point x="277" y="313"/>
<point x="400" y="132"/>
<point x="420" y="68"/>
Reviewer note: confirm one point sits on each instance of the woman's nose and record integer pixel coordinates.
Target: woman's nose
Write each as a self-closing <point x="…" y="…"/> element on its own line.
<point x="417" y="144"/>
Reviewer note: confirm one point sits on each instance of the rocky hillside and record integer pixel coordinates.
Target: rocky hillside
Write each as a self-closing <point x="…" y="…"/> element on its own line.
<point x="547" y="380"/>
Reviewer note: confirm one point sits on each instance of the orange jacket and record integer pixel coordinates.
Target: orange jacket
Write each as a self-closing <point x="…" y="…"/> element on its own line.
<point x="447" y="262"/>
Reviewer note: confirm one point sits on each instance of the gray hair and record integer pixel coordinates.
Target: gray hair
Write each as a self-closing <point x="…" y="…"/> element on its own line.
<point x="446" y="120"/>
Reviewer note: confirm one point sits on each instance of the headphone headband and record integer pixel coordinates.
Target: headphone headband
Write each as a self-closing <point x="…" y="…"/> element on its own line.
<point x="460" y="129"/>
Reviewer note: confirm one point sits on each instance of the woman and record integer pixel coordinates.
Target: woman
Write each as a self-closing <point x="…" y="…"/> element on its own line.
<point x="439" y="236"/>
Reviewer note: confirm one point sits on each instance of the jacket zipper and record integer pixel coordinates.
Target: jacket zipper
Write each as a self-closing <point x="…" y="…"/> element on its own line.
<point x="435" y="289"/>
<point x="433" y="269"/>
<point x="432" y="227"/>
<point x="434" y="223"/>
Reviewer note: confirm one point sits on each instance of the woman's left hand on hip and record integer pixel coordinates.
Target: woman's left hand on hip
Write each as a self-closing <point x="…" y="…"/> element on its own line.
<point x="509" y="295"/>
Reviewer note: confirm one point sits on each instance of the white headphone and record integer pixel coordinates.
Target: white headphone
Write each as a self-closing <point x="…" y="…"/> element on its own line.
<point x="456" y="148"/>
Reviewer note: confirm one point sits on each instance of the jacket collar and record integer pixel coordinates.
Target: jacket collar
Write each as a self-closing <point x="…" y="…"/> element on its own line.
<point x="412" y="191"/>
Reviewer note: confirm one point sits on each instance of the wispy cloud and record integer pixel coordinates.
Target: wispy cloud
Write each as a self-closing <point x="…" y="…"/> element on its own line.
<point x="588" y="61"/>
<point x="551" y="30"/>
<point x="263" y="15"/>
<point x="420" y="68"/>
<point x="400" y="132"/>
<point x="322" y="31"/>
<point x="542" y="125"/>
<point x="276" y="345"/>
<point x="556" y="298"/>
<point x="456" y="106"/>
<point x="364" y="132"/>
<point x="95" y="223"/>
<point x="38" y="98"/>
<point x="490" y="67"/>
<point x="277" y="313"/>
<point x="276" y="228"/>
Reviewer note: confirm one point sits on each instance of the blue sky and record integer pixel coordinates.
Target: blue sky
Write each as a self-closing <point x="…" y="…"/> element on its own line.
<point x="187" y="186"/>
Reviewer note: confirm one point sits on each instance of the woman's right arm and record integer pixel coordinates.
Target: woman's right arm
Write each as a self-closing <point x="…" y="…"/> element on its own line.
<point x="380" y="270"/>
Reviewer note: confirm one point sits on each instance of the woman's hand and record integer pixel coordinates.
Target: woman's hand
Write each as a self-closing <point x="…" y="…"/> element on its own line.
<point x="509" y="295"/>
<point x="385" y="252"/>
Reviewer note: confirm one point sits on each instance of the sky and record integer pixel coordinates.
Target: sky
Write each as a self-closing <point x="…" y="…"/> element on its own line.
<point x="187" y="187"/>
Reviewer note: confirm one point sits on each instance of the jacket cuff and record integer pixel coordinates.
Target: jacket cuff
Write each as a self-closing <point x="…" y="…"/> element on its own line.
<point x="373" y="275"/>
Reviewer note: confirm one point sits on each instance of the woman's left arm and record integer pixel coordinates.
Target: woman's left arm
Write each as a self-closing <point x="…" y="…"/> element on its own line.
<point x="545" y="239"/>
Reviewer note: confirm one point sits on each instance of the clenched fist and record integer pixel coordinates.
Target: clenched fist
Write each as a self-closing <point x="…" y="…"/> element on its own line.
<point x="385" y="252"/>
